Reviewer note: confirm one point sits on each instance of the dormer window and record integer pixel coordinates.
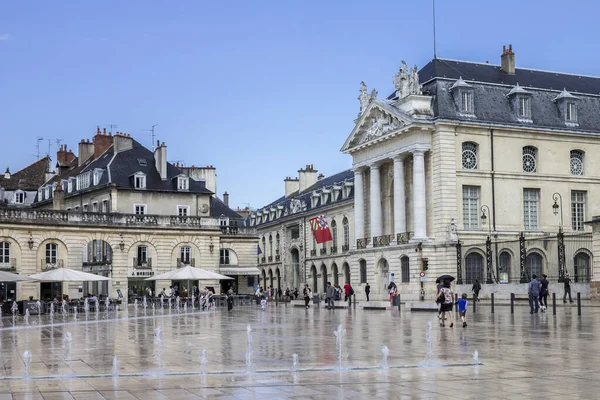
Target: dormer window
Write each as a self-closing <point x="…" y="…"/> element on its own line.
<point x="97" y="175"/>
<point x="335" y="196"/>
<point x="183" y="183"/>
<point x="522" y="103"/>
<point x="139" y="180"/>
<point x="19" y="197"/>
<point x="463" y="96"/>
<point x="524" y="107"/>
<point x="571" y="112"/>
<point x="83" y="181"/>
<point x="40" y="194"/>
<point x="314" y="200"/>
<point x="347" y="187"/>
<point x="70" y="185"/>
<point x="47" y="189"/>
<point x="324" y="196"/>
<point x="567" y="105"/>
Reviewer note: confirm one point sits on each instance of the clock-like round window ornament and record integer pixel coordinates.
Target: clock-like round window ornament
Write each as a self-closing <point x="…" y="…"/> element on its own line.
<point x="204" y="208"/>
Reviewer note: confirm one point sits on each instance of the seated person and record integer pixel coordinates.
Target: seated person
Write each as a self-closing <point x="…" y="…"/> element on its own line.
<point x="93" y="298"/>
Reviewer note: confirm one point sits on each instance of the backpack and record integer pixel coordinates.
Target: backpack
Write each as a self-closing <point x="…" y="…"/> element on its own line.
<point x="351" y="291"/>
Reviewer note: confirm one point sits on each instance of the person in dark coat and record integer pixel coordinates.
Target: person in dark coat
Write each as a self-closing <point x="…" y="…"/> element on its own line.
<point x="367" y="290"/>
<point x="229" y="302"/>
<point x="567" y="283"/>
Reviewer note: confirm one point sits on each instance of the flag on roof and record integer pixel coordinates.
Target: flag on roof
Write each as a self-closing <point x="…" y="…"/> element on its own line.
<point x="258" y="250"/>
<point x="320" y="229"/>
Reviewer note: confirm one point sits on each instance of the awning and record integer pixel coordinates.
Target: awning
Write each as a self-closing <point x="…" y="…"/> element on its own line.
<point x="239" y="270"/>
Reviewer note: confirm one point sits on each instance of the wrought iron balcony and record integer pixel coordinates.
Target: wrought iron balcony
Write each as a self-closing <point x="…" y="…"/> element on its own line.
<point x="182" y="262"/>
<point x="277" y="257"/>
<point x="362" y="243"/>
<point x="403" y="238"/>
<point x="263" y="259"/>
<point x="237" y="230"/>
<point x="313" y="253"/>
<point x="323" y="252"/>
<point x="97" y="261"/>
<point x="345" y="248"/>
<point x="270" y="258"/>
<point x="141" y="263"/>
<point x="51" y="263"/>
<point x="333" y="249"/>
<point x="10" y="264"/>
<point x="384" y="240"/>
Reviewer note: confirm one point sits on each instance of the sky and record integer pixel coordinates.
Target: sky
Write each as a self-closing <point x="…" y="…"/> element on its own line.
<point x="258" y="89"/>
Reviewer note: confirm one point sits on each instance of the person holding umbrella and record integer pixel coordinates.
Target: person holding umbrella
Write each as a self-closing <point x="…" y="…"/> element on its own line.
<point x="446" y="298"/>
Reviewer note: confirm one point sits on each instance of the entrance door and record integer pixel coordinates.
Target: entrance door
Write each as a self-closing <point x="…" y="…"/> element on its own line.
<point x="8" y="291"/>
<point x="50" y="290"/>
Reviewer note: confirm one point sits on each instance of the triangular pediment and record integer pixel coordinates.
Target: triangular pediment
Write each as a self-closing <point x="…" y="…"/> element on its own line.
<point x="377" y="121"/>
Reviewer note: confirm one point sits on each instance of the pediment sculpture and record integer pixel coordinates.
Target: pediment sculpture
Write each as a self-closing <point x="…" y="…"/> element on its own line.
<point x="364" y="98"/>
<point x="407" y="82"/>
<point x="380" y="125"/>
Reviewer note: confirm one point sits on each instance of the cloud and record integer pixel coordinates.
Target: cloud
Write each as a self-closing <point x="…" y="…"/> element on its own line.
<point x="5" y="36"/>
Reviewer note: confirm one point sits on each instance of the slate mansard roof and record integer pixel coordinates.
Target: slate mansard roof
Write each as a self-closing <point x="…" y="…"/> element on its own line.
<point x="29" y="178"/>
<point x="303" y="199"/>
<point x="492" y="104"/>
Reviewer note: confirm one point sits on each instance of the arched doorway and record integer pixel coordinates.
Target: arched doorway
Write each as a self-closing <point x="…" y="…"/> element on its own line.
<point x="384" y="273"/>
<point x="534" y="265"/>
<point x="313" y="274"/>
<point x="473" y="268"/>
<point x="334" y="272"/>
<point x="363" y="270"/>
<point x="346" y="269"/>
<point x="295" y="273"/>
<point x="581" y="267"/>
<point x="278" y="275"/>
<point x="504" y="260"/>
<point x="97" y="259"/>
<point x="324" y="277"/>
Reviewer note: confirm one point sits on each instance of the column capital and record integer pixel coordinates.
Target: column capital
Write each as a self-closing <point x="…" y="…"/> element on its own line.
<point x="375" y="165"/>
<point x="417" y="152"/>
<point x="358" y="170"/>
<point x="399" y="157"/>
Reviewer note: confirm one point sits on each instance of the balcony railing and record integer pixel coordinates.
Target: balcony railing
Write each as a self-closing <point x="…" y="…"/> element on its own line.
<point x="142" y="263"/>
<point x="97" y="261"/>
<point x="186" y="261"/>
<point x="10" y="265"/>
<point x="403" y="238"/>
<point x="51" y="263"/>
<point x="263" y="259"/>
<point x="237" y="230"/>
<point x="333" y="249"/>
<point x="362" y="243"/>
<point x="277" y="257"/>
<point x="384" y="240"/>
<point x="52" y="217"/>
<point x="323" y="252"/>
<point x="345" y="248"/>
<point x="313" y="253"/>
<point x="270" y="258"/>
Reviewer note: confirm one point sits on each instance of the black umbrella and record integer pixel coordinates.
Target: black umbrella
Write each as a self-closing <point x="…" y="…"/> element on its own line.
<point x="448" y="278"/>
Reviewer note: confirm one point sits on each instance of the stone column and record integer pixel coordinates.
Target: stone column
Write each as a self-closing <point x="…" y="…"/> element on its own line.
<point x="375" y="206"/>
<point x="419" y="199"/>
<point x="399" y="196"/>
<point x="359" y="206"/>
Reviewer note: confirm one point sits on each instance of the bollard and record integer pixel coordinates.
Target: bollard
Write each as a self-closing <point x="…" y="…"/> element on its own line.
<point x="276" y="300"/>
<point x="578" y="303"/>
<point x="474" y="305"/>
<point x="492" y="303"/>
<point x="456" y="301"/>
<point x="553" y="303"/>
<point x="512" y="303"/>
<point x="399" y="302"/>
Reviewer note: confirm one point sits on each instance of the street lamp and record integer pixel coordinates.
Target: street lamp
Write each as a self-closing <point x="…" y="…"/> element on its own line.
<point x="555" y="207"/>
<point x="485" y="211"/>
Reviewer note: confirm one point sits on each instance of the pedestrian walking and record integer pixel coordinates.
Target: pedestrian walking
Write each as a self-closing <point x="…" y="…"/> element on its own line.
<point x="462" y="309"/>
<point x="534" y="293"/>
<point x="367" y="290"/>
<point x="392" y="289"/>
<point x="567" y="282"/>
<point x="229" y="302"/>
<point x="263" y="303"/>
<point x="544" y="290"/>
<point x="476" y="289"/>
<point x="347" y="289"/>
<point x="307" y="295"/>
<point x="447" y="300"/>
<point x="330" y="296"/>
<point x="439" y="287"/>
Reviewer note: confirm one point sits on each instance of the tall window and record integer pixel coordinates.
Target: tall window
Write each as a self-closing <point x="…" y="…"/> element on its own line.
<point x="581" y="267"/>
<point x="183" y="183"/>
<point x="504" y="262"/>
<point x="578" y="209"/>
<point x="105" y="206"/>
<point x="571" y="112"/>
<point x="270" y="245"/>
<point x="142" y="255"/>
<point x="19" y="197"/>
<point x="405" y="269"/>
<point x="4" y="253"/>
<point x="264" y="245"/>
<point x="533" y="265"/>
<point x="531" y="206"/>
<point x="469" y="155"/>
<point x="346" y="232"/>
<point x="51" y="251"/>
<point x="529" y="159"/>
<point x="466" y="101"/>
<point x="139" y="181"/>
<point x="277" y="244"/>
<point x="474" y="268"/>
<point x="576" y="162"/>
<point x="185" y="254"/>
<point x="524" y="103"/>
<point x="334" y="233"/>
<point x="471" y="207"/>
<point x="314" y="242"/>
<point x="363" y="271"/>
<point x="224" y="257"/>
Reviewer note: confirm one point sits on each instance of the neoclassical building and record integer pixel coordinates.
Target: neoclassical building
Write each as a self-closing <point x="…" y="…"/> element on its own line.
<point x="290" y="255"/>
<point x="486" y="172"/>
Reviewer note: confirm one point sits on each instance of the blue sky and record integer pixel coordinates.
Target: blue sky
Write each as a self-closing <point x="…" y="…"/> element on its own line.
<point x="257" y="89"/>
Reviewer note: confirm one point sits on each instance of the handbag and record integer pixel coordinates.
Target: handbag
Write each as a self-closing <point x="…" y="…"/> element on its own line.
<point x="440" y="299"/>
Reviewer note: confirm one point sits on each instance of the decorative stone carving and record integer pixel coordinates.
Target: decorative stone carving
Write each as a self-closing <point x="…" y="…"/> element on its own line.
<point x="452" y="234"/>
<point x="407" y="83"/>
<point x="380" y="125"/>
<point x="297" y="206"/>
<point x="363" y="97"/>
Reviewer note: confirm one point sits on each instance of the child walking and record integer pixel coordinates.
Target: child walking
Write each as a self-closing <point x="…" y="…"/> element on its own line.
<point x="263" y="303"/>
<point x="462" y="309"/>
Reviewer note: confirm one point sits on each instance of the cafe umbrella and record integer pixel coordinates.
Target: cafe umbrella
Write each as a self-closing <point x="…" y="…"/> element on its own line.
<point x="10" y="277"/>
<point x="188" y="273"/>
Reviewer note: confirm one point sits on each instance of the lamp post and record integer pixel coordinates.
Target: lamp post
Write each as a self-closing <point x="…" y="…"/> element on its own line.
<point x="560" y="237"/>
<point x="485" y="211"/>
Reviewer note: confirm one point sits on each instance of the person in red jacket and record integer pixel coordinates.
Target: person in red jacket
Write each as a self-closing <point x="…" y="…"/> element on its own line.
<point x="347" y="291"/>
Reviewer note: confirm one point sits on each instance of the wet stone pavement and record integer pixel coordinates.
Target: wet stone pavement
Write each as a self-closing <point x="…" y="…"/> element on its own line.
<point x="160" y="356"/>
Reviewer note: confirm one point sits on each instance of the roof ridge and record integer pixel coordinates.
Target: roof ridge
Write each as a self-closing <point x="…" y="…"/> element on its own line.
<point x="31" y="165"/>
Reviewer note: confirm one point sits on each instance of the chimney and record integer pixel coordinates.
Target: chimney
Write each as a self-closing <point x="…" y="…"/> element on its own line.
<point x="122" y="142"/>
<point x="291" y="186"/>
<point x="207" y="174"/>
<point x="507" y="60"/>
<point x="102" y="141"/>
<point x="226" y="199"/>
<point x="307" y="177"/>
<point x="86" y="150"/>
<point x="321" y="176"/>
<point x="7" y="174"/>
<point x="160" y="159"/>
<point x="64" y="157"/>
<point x="58" y="198"/>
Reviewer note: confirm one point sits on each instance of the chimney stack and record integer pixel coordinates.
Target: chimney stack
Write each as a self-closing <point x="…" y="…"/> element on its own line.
<point x="291" y="185"/>
<point x="226" y="199"/>
<point x="85" y="151"/>
<point x="102" y="141"/>
<point x="307" y="177"/>
<point x="507" y="60"/>
<point x="58" y="198"/>
<point x="64" y="157"/>
<point x="7" y="174"/>
<point x="160" y="159"/>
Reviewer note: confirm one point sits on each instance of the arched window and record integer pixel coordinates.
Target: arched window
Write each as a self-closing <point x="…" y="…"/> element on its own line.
<point x="313" y="273"/>
<point x="346" y="233"/>
<point x="270" y="246"/>
<point x="576" y="162"/>
<point x="51" y="252"/>
<point x="224" y="256"/>
<point x="529" y="159"/>
<point x="264" y="245"/>
<point x="504" y="267"/>
<point x="405" y="269"/>
<point x="363" y="271"/>
<point x="334" y="232"/>
<point x="346" y="272"/>
<point x="334" y="272"/>
<point x="581" y="267"/>
<point x="4" y="254"/>
<point x="277" y="244"/>
<point x="469" y="155"/>
<point x="474" y="268"/>
<point x="533" y="265"/>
